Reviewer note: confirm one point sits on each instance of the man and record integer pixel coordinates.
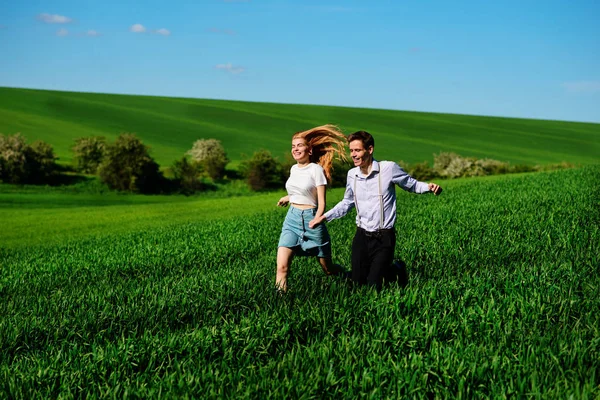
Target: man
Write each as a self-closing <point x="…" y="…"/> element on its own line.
<point x="370" y="187"/>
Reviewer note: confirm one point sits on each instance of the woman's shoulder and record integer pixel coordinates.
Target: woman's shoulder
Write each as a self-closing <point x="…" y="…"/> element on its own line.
<point x="316" y="166"/>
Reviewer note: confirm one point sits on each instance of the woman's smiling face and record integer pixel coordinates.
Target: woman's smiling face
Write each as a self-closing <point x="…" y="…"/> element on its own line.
<point x="300" y="150"/>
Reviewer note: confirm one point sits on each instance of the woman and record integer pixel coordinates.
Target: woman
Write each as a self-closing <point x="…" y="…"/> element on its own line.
<point x="313" y="151"/>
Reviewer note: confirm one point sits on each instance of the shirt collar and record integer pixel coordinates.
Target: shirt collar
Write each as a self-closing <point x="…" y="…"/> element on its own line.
<point x="374" y="168"/>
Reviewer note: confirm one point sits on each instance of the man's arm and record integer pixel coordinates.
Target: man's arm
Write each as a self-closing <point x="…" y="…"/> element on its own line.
<point x="410" y="184"/>
<point x="340" y="209"/>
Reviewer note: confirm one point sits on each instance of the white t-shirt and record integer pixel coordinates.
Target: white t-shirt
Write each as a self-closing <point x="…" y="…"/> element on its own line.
<point x="302" y="183"/>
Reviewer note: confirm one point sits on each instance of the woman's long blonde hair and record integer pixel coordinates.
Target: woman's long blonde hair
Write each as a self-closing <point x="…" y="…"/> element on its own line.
<point x="326" y="142"/>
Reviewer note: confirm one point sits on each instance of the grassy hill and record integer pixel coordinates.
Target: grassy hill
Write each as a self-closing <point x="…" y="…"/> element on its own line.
<point x="171" y="125"/>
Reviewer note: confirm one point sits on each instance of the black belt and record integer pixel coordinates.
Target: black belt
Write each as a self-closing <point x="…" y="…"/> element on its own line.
<point x="376" y="234"/>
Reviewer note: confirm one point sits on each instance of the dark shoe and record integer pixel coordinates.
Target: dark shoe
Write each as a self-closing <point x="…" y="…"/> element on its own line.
<point x="397" y="273"/>
<point x="345" y="275"/>
<point x="402" y="272"/>
<point x="336" y="270"/>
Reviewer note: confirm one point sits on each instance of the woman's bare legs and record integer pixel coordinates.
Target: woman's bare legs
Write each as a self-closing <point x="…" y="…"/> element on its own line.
<point x="284" y="261"/>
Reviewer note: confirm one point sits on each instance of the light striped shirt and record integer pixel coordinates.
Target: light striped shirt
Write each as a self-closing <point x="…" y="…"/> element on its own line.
<point x="373" y="193"/>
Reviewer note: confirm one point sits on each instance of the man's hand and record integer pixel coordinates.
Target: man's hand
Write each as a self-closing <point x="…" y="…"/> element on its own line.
<point x="316" y="221"/>
<point x="436" y="189"/>
<point x="284" y="201"/>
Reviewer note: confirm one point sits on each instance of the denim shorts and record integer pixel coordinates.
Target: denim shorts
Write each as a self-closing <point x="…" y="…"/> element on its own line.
<point x="305" y="241"/>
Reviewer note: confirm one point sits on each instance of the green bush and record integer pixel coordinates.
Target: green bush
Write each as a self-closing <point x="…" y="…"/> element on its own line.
<point x="24" y="163"/>
<point x="210" y="156"/>
<point x="186" y="176"/>
<point x="339" y="172"/>
<point x="442" y="161"/>
<point x="493" y="167"/>
<point x="522" y="168"/>
<point x="43" y="160"/>
<point x="422" y="171"/>
<point x="451" y="165"/>
<point x="448" y="165"/>
<point x="262" y="171"/>
<point x="127" y="166"/>
<point x="88" y="153"/>
<point x="460" y="166"/>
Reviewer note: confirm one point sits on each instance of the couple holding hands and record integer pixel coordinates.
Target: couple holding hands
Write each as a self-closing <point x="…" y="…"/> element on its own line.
<point x="370" y="188"/>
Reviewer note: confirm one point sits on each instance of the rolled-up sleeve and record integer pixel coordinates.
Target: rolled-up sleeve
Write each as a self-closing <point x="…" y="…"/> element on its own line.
<point x="407" y="182"/>
<point x="345" y="205"/>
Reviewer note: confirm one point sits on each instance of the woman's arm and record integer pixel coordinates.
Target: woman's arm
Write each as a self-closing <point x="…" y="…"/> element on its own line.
<point x="284" y="201"/>
<point x="340" y="209"/>
<point x="320" y="207"/>
<point x="321" y="196"/>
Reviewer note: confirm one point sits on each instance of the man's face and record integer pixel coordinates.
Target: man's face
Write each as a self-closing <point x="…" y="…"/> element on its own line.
<point x="362" y="157"/>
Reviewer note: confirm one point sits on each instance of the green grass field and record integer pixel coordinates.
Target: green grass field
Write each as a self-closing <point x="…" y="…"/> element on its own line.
<point x="33" y="216"/>
<point x="139" y="297"/>
<point x="171" y="125"/>
<point x="107" y="295"/>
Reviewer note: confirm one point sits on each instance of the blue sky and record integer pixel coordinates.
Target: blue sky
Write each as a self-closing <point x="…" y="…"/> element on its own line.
<point x="530" y="59"/>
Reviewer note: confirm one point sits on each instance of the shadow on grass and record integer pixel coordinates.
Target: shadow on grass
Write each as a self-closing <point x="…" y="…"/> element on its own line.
<point x="67" y="179"/>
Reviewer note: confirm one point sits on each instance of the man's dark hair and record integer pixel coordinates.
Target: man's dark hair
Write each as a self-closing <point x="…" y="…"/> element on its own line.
<point x="364" y="136"/>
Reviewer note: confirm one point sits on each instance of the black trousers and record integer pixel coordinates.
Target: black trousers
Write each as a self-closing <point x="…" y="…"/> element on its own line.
<point x="372" y="256"/>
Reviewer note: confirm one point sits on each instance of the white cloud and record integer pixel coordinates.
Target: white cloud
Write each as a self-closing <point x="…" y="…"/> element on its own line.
<point x="62" y="32"/>
<point x="163" y="31"/>
<point x="54" y="18"/>
<point x="235" y="1"/>
<point x="582" y="86"/>
<point x="137" y="28"/>
<point x="92" y="32"/>
<point x="230" y="68"/>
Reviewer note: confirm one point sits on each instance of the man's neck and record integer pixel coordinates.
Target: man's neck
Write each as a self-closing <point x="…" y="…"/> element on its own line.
<point x="366" y="169"/>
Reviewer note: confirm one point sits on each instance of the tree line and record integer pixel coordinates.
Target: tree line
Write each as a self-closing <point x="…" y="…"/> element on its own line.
<point x="126" y="165"/>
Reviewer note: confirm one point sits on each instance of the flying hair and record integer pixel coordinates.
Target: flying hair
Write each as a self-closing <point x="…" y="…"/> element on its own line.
<point x="326" y="142"/>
